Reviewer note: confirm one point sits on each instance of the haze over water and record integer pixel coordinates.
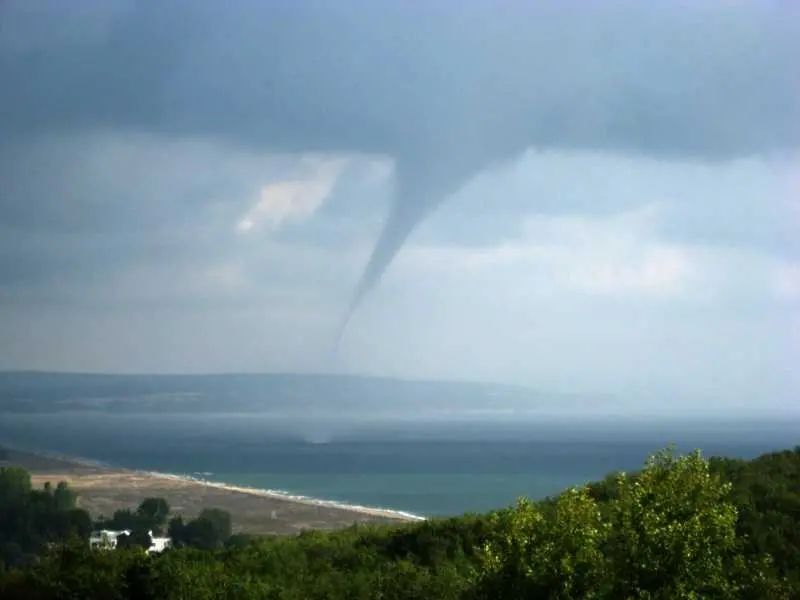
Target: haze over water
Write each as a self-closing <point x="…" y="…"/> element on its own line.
<point x="423" y="468"/>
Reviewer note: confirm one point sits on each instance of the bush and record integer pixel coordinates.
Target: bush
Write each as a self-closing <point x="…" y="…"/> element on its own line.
<point x="682" y="528"/>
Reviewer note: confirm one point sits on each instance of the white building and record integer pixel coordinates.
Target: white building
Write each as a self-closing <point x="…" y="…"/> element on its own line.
<point x="159" y="544"/>
<point x="107" y="539"/>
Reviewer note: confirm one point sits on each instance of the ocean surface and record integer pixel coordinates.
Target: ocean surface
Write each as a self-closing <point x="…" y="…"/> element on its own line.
<point x="425" y="468"/>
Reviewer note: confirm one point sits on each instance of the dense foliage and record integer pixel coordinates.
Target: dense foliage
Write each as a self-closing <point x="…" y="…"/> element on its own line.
<point x="30" y="519"/>
<point x="682" y="528"/>
<point x="766" y="492"/>
<point x="210" y="530"/>
<point x="151" y="515"/>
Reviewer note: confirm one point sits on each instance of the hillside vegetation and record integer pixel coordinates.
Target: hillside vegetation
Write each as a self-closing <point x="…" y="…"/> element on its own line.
<point x="682" y="528"/>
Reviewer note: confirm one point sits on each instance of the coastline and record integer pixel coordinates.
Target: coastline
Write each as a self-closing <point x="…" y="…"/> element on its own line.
<point x="103" y="487"/>
<point x="290" y="497"/>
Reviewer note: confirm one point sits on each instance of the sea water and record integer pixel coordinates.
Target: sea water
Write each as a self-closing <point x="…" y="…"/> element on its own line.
<point x="431" y="468"/>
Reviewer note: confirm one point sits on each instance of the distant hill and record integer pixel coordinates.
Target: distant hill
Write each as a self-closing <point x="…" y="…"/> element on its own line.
<point x="43" y="392"/>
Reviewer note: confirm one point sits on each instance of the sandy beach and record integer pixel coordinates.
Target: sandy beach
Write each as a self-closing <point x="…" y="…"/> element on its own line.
<point x="103" y="489"/>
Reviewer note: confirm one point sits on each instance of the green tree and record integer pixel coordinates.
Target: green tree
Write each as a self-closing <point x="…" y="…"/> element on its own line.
<point x="64" y="497"/>
<point x="667" y="533"/>
<point x="138" y="538"/>
<point x="15" y="484"/>
<point x="673" y="531"/>
<point x="219" y="521"/>
<point x="31" y="520"/>
<point x="154" y="508"/>
<point x="241" y="540"/>
<point x="210" y="530"/>
<point x="153" y="513"/>
<point x="664" y="532"/>
<point x="175" y="530"/>
<point x="123" y="519"/>
<point x="79" y="523"/>
<point x="549" y="556"/>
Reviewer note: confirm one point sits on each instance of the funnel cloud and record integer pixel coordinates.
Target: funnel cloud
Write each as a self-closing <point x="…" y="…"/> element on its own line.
<point x="445" y="90"/>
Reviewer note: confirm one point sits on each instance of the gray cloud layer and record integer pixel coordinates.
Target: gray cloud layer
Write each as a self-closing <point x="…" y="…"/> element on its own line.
<point x="471" y="83"/>
<point x="444" y="89"/>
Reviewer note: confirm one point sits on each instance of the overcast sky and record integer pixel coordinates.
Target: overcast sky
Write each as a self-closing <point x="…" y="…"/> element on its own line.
<point x="598" y="197"/>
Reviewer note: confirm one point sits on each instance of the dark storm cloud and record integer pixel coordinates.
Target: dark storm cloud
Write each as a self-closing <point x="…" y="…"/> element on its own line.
<point x="444" y="89"/>
<point x="713" y="80"/>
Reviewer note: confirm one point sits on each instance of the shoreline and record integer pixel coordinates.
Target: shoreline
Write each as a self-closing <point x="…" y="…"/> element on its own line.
<point x="268" y="494"/>
<point x="373" y="511"/>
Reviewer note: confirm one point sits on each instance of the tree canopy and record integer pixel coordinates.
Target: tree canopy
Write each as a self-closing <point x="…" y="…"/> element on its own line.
<point x="150" y="516"/>
<point x="682" y="528"/>
<point x="138" y="538"/>
<point x="31" y="519"/>
<point x="210" y="530"/>
<point x="155" y="510"/>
